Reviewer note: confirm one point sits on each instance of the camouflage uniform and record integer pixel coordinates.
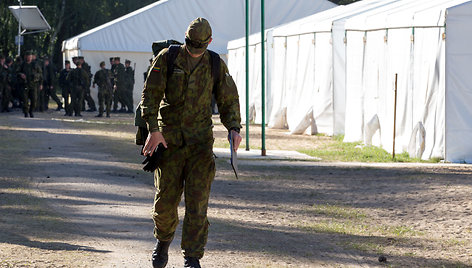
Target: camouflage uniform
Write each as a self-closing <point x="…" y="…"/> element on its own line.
<point x="102" y="79"/>
<point x="79" y="80"/>
<point x="120" y="83"/>
<point x="34" y="78"/>
<point x="87" y="95"/>
<point x="129" y="88"/>
<point x="179" y="107"/>
<point x="49" y="75"/>
<point x="66" y="89"/>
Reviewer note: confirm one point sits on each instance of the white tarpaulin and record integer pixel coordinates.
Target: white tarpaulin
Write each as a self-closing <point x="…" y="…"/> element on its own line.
<point x="130" y="37"/>
<point x="408" y="39"/>
<point x="299" y="87"/>
<point x="458" y="119"/>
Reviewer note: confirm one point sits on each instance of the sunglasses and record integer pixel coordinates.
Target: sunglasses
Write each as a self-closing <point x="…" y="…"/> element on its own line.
<point x="195" y="44"/>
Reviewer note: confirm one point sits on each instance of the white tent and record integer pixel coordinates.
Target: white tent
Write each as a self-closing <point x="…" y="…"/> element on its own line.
<point x="131" y="36"/>
<point x="299" y="70"/>
<point x="409" y="39"/>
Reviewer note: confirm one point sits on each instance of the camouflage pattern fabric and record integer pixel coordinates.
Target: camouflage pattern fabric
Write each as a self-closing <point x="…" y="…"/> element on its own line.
<point x="189" y="168"/>
<point x="66" y="89"/>
<point x="79" y="80"/>
<point x="184" y="116"/>
<point x="129" y="88"/>
<point x="180" y="108"/>
<point x="102" y="79"/>
<point x="120" y="82"/>
<point x="87" y="96"/>
<point x="34" y="78"/>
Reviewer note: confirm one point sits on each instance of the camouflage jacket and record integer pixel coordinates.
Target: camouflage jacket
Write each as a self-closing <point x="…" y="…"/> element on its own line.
<point x="78" y="77"/>
<point x="33" y="73"/>
<point x="102" y="79"/>
<point x="180" y="107"/>
<point x="129" y="76"/>
<point x="120" y="75"/>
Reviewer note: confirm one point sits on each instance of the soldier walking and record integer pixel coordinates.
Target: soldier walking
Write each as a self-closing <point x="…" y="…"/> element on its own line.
<point x="176" y="108"/>
<point x="65" y="87"/>
<point x="49" y="80"/>
<point x="32" y="76"/>
<point x="102" y="79"/>
<point x="79" y="80"/>
<point x="129" y="86"/>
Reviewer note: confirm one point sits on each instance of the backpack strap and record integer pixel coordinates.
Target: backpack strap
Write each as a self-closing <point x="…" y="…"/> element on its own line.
<point x="173" y="53"/>
<point x="215" y="68"/>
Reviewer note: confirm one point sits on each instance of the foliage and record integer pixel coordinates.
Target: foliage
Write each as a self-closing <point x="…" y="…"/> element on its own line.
<point x="66" y="18"/>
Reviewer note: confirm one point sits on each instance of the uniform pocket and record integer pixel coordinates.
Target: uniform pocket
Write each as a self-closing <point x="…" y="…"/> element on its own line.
<point x="175" y="86"/>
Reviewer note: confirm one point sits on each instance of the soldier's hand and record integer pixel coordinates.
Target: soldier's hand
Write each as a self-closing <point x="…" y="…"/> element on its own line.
<point x="153" y="140"/>
<point x="23" y="76"/>
<point x="236" y="140"/>
<point x="40" y="87"/>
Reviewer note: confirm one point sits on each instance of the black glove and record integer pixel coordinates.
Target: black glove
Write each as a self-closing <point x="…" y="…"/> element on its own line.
<point x="151" y="162"/>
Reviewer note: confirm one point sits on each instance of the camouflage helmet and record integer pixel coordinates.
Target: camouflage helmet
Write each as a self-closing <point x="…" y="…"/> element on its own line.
<point x="198" y="36"/>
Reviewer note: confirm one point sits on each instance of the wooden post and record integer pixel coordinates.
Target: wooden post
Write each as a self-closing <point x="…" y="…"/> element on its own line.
<point x="395" y="115"/>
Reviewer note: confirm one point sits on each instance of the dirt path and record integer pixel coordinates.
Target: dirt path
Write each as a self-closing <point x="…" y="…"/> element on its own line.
<point x="72" y="195"/>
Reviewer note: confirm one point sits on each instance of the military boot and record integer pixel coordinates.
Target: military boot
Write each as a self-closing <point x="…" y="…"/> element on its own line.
<point x="192" y="262"/>
<point x="160" y="255"/>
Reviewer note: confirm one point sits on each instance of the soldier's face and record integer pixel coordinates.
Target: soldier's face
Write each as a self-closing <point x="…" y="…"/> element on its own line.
<point x="127" y="64"/>
<point x="68" y="66"/>
<point x="29" y="58"/>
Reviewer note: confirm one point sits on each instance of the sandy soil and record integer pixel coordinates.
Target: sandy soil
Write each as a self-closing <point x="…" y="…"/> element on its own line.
<point x="72" y="194"/>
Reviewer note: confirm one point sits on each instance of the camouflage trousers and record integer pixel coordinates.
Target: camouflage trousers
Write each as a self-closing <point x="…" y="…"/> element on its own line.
<point x="189" y="170"/>
<point x="104" y="100"/>
<point x="30" y="92"/>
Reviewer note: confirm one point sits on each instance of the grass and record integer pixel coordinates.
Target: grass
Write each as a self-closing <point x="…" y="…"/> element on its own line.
<point x="337" y="150"/>
<point x="337" y="211"/>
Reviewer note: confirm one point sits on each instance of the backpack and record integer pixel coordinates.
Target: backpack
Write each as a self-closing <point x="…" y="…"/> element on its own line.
<point x="174" y="49"/>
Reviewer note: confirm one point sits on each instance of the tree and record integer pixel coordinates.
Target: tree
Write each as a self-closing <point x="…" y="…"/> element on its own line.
<point x="66" y="18"/>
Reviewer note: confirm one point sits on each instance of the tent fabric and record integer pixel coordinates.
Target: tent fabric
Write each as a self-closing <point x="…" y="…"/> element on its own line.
<point x="404" y="40"/>
<point x="299" y="59"/>
<point x="334" y="72"/>
<point x="458" y="128"/>
<point x="131" y="36"/>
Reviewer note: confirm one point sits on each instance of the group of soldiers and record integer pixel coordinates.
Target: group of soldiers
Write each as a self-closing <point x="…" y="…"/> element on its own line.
<point x="30" y="82"/>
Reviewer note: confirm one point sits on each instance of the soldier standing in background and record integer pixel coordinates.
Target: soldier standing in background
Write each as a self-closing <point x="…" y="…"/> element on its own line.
<point x="102" y="79"/>
<point x="65" y="87"/>
<point x="11" y="80"/>
<point x="49" y="81"/>
<point x="18" y="84"/>
<point x="4" y="85"/>
<point x="147" y="70"/>
<point x="79" y="80"/>
<point x="119" y="85"/>
<point x="87" y="95"/>
<point x="32" y="76"/>
<point x="129" y="86"/>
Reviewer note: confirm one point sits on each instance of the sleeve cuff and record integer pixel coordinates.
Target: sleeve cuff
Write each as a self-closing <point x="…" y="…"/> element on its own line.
<point x="152" y="125"/>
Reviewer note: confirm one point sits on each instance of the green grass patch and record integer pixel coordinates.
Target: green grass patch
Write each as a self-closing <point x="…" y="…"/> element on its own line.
<point x="337" y="150"/>
<point x="336" y="211"/>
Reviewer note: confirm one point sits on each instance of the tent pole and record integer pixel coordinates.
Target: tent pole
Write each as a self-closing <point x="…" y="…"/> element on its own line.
<point x="247" y="75"/>
<point x="395" y="116"/>
<point x="263" y="150"/>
